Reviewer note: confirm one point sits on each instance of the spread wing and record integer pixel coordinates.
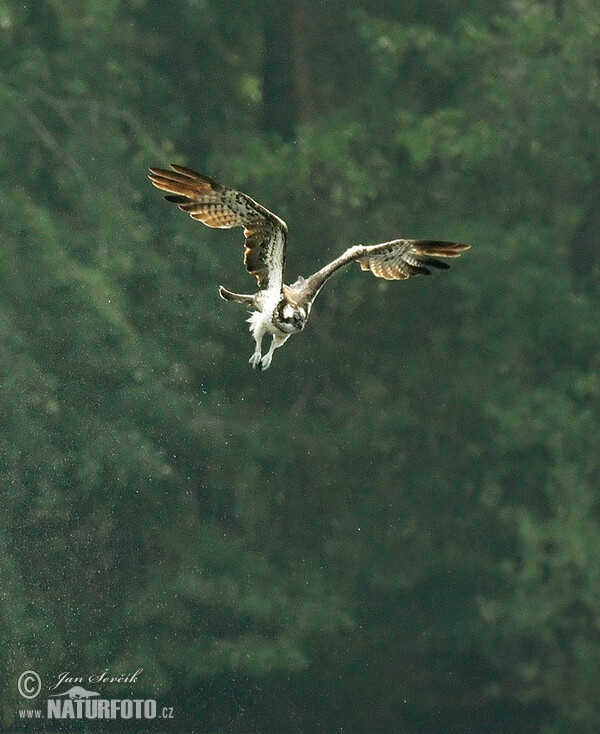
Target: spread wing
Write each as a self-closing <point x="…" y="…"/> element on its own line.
<point x="400" y="259"/>
<point x="395" y="260"/>
<point x="222" y="207"/>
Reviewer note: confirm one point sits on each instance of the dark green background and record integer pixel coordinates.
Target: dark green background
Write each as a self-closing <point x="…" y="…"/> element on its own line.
<point x="394" y="529"/>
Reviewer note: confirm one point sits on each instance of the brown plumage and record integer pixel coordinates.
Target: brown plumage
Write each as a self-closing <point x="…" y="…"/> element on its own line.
<point x="392" y="261"/>
<point x="221" y="207"/>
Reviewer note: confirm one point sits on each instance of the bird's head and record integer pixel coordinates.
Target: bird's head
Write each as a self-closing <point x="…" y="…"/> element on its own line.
<point x="290" y="317"/>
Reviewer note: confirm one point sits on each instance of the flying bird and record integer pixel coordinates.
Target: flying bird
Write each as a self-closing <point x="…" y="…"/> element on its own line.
<point x="278" y="309"/>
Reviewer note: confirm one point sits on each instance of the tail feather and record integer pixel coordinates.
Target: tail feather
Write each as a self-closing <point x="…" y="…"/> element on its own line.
<point x="244" y="299"/>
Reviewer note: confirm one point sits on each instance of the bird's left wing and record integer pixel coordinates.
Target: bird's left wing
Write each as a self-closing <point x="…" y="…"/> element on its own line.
<point x="219" y="206"/>
<point x="395" y="260"/>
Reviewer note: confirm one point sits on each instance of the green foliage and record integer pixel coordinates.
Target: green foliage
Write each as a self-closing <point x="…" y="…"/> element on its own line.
<point x="412" y="486"/>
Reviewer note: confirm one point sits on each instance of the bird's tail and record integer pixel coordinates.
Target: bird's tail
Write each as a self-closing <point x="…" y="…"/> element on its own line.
<point x="236" y="297"/>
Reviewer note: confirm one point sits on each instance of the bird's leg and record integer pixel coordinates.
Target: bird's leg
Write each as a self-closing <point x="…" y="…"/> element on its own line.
<point x="256" y="357"/>
<point x="265" y="362"/>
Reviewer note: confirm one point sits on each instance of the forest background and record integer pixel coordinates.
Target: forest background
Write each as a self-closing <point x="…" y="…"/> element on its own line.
<point x="394" y="529"/>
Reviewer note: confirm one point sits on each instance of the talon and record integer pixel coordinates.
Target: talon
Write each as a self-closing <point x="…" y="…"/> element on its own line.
<point x="255" y="359"/>
<point x="265" y="362"/>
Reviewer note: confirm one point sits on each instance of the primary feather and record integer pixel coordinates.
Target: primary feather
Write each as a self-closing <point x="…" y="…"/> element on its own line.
<point x="219" y="206"/>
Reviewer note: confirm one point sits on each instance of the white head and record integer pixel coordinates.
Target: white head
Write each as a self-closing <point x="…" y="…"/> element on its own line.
<point x="289" y="317"/>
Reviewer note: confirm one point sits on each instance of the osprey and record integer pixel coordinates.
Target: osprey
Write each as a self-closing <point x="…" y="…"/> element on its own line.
<point x="278" y="309"/>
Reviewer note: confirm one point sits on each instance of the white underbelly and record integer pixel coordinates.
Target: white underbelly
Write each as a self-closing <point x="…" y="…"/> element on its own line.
<point x="261" y="322"/>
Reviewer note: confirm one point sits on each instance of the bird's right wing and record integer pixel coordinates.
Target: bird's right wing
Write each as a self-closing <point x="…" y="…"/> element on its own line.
<point x="395" y="260"/>
<point x="219" y="206"/>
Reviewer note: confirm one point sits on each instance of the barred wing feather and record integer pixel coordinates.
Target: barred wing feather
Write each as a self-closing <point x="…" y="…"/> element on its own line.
<point x="219" y="206"/>
<point x="400" y="259"/>
<point x="395" y="260"/>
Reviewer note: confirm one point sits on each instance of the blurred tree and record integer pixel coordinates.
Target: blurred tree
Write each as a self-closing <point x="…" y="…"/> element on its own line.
<point x="397" y="527"/>
<point x="125" y="542"/>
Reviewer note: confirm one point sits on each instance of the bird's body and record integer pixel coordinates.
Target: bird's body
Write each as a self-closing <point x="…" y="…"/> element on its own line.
<point x="265" y="320"/>
<point x="277" y="309"/>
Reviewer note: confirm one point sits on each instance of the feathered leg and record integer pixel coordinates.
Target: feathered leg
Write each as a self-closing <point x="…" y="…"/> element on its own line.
<point x="255" y="359"/>
<point x="277" y="342"/>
